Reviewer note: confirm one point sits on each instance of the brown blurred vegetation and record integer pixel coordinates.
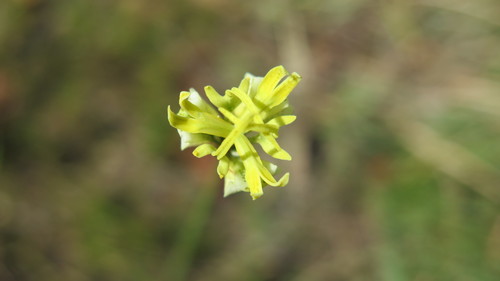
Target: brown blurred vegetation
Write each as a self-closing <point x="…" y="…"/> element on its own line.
<point x="396" y="162"/>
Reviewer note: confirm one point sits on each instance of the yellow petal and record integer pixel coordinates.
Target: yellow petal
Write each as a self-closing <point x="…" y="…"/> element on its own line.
<point x="238" y="130"/>
<point x="263" y="128"/>
<point x="252" y="178"/>
<point x="226" y="101"/>
<point x="223" y="167"/>
<point x="282" y="120"/>
<point x="251" y="159"/>
<point x="283" y="180"/>
<point x="269" y="82"/>
<point x="230" y="116"/>
<point x="203" y="150"/>
<point x="283" y="90"/>
<point x="282" y="109"/>
<point x="188" y="106"/>
<point x="247" y="101"/>
<point x="214" y="97"/>
<point x="245" y="85"/>
<point x="207" y="125"/>
<point x="271" y="147"/>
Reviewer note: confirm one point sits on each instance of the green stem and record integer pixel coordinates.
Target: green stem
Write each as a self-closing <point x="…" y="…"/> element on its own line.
<point x="181" y="258"/>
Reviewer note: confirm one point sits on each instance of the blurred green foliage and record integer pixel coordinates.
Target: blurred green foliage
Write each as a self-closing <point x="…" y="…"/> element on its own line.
<point x="396" y="162"/>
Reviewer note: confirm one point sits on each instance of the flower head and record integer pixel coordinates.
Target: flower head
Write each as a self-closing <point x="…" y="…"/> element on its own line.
<point x="245" y="115"/>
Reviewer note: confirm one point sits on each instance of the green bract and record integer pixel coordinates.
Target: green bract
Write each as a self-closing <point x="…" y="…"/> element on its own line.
<point x="251" y="113"/>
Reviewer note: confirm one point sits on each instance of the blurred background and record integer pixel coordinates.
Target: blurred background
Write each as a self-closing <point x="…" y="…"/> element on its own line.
<point x="396" y="149"/>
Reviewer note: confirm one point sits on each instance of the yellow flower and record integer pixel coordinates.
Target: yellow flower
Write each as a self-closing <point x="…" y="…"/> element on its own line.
<point x="251" y="113"/>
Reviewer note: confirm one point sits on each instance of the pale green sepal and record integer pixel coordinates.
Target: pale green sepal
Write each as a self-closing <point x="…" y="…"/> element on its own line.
<point x="189" y="139"/>
<point x="195" y="98"/>
<point x="255" y="82"/>
<point x="234" y="181"/>
<point x="270" y="166"/>
<point x="234" y="184"/>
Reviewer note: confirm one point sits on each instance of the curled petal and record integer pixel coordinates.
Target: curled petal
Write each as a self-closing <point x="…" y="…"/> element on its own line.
<point x="225" y="101"/>
<point x="203" y="150"/>
<point x="269" y="82"/>
<point x="252" y="161"/>
<point x="283" y="90"/>
<point x="247" y="101"/>
<point x="283" y="181"/>
<point x="251" y="113"/>
<point x="282" y="120"/>
<point x="187" y="106"/>
<point x="214" y="97"/>
<point x="263" y="128"/>
<point x="245" y="85"/>
<point x="270" y="166"/>
<point x="223" y="167"/>
<point x="208" y="125"/>
<point x="271" y="147"/>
